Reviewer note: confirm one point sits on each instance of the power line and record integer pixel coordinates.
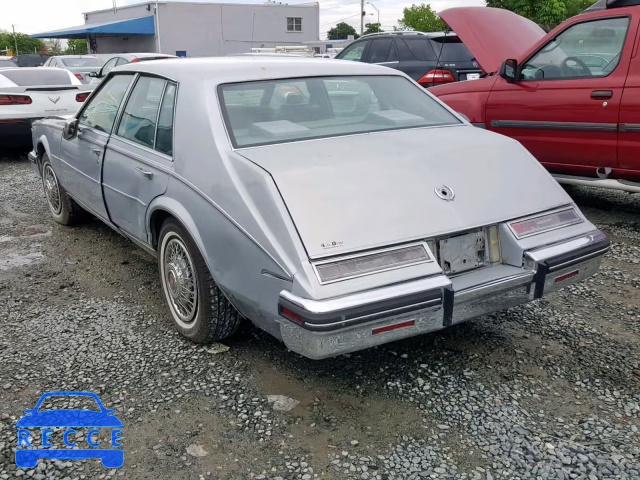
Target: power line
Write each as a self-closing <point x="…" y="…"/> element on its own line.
<point x="338" y="21"/>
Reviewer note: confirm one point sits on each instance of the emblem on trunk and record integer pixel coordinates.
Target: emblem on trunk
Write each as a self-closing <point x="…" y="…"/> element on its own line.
<point x="54" y="99"/>
<point x="445" y="193"/>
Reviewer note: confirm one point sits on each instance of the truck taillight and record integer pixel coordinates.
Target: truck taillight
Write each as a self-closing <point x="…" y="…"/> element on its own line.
<point x="81" y="97"/>
<point x="15" y="100"/>
<point x="79" y="77"/>
<point x="435" y="77"/>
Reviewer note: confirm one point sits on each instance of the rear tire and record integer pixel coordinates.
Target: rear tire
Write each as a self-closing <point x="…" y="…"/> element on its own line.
<point x="199" y="309"/>
<point x="63" y="208"/>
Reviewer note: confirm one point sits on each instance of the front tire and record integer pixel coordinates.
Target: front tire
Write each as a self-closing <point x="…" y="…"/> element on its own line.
<point x="199" y="309"/>
<point x="63" y="208"/>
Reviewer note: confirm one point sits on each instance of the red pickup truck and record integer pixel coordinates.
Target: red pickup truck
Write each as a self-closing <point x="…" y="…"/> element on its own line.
<point x="571" y="97"/>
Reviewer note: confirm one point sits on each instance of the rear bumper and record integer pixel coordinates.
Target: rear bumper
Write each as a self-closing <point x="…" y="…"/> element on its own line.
<point x="324" y="328"/>
<point x="15" y="133"/>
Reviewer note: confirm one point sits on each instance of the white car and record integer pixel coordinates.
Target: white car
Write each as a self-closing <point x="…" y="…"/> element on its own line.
<point x="28" y="94"/>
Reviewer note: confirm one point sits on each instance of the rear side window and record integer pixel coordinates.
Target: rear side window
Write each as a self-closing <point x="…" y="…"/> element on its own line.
<point x="379" y="50"/>
<point x="451" y="49"/>
<point x="420" y="48"/>
<point x="164" y="135"/>
<point x="100" y="113"/>
<point x="138" y="122"/>
<point x="40" y="77"/>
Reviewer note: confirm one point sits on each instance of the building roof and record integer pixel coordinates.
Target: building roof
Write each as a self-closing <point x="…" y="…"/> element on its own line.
<point x="251" y="68"/>
<point x="266" y="4"/>
<point x="131" y="26"/>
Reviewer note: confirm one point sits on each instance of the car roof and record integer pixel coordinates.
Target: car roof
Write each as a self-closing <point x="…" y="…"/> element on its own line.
<point x="75" y="56"/>
<point x="408" y="34"/>
<point x="238" y="69"/>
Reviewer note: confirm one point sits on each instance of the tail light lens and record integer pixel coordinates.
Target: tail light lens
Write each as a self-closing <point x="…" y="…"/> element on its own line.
<point x="135" y="60"/>
<point x="435" y="77"/>
<point x="363" y="264"/>
<point x="543" y="223"/>
<point x="15" y="100"/>
<point x="79" y="77"/>
<point x="81" y="97"/>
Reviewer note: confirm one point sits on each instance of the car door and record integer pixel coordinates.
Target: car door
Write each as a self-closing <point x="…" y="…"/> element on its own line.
<point x="140" y="154"/>
<point x="383" y="51"/>
<point x="81" y="156"/>
<point x="564" y="107"/>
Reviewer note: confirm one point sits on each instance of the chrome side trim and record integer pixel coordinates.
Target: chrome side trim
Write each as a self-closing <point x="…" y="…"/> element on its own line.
<point x="138" y="157"/>
<point x="576" y="126"/>
<point x="629" y="128"/>
<point x="336" y="305"/>
<point x="78" y="171"/>
<point x="610" y="183"/>
<point x="115" y="190"/>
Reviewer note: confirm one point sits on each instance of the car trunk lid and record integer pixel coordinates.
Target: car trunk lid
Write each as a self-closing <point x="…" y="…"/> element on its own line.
<point x="358" y="192"/>
<point x="493" y="34"/>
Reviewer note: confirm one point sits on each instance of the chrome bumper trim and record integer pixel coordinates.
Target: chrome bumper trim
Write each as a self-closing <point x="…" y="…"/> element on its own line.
<point x="340" y="325"/>
<point x="366" y="306"/>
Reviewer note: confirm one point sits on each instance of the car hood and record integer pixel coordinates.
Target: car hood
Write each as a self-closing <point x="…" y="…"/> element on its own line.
<point x="493" y="34"/>
<point x="357" y="192"/>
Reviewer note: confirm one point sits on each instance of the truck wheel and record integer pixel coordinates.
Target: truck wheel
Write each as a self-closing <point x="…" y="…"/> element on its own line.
<point x="199" y="309"/>
<point x="63" y="208"/>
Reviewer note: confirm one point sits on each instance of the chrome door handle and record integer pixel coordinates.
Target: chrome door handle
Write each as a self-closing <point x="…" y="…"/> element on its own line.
<point x="145" y="172"/>
<point x="97" y="151"/>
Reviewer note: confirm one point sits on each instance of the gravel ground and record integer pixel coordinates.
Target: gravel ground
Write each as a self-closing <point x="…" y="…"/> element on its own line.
<point x="550" y="390"/>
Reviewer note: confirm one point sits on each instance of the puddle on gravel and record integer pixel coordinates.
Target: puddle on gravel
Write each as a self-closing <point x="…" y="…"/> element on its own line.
<point x="13" y="260"/>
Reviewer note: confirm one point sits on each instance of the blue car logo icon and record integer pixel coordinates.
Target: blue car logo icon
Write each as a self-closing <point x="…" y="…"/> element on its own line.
<point x="69" y="419"/>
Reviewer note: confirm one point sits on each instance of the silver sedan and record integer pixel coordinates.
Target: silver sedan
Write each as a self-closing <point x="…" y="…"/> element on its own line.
<point x="335" y="205"/>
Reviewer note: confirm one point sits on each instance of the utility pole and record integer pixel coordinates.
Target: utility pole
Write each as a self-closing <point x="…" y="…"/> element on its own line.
<point x="361" y="17"/>
<point x="15" y="40"/>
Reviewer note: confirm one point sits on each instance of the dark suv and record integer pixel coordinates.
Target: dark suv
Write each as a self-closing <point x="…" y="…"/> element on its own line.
<point x="30" y="59"/>
<point x="428" y="58"/>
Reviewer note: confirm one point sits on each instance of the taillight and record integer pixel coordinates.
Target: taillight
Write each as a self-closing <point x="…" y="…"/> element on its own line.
<point x="15" y="100"/>
<point x="78" y="76"/>
<point x="436" y="77"/>
<point x="135" y="60"/>
<point x="81" y="97"/>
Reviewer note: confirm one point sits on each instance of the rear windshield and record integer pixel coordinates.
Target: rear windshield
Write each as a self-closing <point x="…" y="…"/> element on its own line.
<point x="41" y="76"/>
<point x="451" y="49"/>
<point x="286" y="110"/>
<point x="83" y="62"/>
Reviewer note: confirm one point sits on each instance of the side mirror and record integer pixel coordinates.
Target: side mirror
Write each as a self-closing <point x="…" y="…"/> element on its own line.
<point x="509" y="70"/>
<point x="70" y="129"/>
<point x="93" y="74"/>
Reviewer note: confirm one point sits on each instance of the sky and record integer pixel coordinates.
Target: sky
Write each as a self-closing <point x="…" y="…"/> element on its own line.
<point x="34" y="16"/>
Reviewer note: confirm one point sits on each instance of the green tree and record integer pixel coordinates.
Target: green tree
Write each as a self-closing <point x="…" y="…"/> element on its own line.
<point x="575" y="7"/>
<point x="372" y="28"/>
<point x="547" y="13"/>
<point x="421" y="18"/>
<point x="25" y="44"/>
<point x="77" y="47"/>
<point x="341" y="30"/>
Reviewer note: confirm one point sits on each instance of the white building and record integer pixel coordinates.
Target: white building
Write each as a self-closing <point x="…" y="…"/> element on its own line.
<point x="195" y="29"/>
